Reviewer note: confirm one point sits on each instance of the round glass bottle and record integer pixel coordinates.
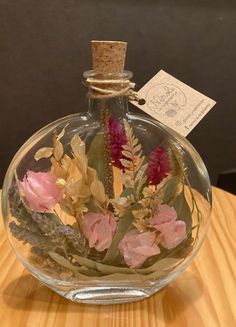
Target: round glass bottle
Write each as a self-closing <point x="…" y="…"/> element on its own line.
<point x="106" y="206"/>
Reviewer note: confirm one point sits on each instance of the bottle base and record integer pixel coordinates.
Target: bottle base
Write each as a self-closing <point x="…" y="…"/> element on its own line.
<point x="108" y="295"/>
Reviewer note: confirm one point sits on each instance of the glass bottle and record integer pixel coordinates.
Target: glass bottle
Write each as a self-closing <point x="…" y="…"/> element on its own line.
<point x="106" y="206"/>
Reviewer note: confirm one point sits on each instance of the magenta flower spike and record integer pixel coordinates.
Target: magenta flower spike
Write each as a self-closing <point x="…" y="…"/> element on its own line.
<point x="158" y="166"/>
<point x="117" y="139"/>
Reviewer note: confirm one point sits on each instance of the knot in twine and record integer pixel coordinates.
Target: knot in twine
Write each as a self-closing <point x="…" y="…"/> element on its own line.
<point x="127" y="89"/>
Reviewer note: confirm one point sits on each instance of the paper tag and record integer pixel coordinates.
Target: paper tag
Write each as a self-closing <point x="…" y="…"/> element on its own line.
<point x="174" y="103"/>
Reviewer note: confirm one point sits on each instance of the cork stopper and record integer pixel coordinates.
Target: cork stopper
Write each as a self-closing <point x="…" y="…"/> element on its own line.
<point x="108" y="57"/>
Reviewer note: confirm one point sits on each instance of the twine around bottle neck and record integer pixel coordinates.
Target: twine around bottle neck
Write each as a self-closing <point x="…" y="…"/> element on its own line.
<point x="98" y="89"/>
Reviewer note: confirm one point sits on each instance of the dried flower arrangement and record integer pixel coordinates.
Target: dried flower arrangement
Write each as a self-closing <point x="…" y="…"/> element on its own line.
<point x="137" y="231"/>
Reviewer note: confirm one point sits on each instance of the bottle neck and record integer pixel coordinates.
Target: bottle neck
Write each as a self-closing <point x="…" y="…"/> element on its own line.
<point x="100" y="85"/>
<point x="117" y="107"/>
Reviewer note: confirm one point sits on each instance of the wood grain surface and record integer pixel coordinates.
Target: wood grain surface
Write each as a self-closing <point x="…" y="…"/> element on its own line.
<point x="204" y="295"/>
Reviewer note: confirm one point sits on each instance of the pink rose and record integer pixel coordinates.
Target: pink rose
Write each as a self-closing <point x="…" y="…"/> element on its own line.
<point x="99" y="229"/>
<point x="173" y="231"/>
<point x="136" y="247"/>
<point x="40" y="191"/>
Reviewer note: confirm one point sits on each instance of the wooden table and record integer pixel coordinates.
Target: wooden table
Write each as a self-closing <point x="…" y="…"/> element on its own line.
<point x="204" y="295"/>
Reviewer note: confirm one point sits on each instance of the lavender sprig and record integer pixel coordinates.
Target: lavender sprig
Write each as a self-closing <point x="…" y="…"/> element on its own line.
<point x="46" y="222"/>
<point x="75" y="241"/>
<point x="25" y="235"/>
<point x="18" y="209"/>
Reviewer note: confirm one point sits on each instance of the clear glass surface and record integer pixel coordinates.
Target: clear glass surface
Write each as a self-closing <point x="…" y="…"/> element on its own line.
<point x="45" y="242"/>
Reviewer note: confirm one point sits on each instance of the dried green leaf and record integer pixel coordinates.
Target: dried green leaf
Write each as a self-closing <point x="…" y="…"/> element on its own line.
<point x="126" y="163"/>
<point x="137" y="148"/>
<point x="141" y="213"/>
<point x="124" y="224"/>
<point x="62" y="261"/>
<point x="127" y="154"/>
<point x="45" y="152"/>
<point x="141" y="225"/>
<point x="91" y="175"/>
<point x="81" y="163"/>
<point x="77" y="145"/>
<point x="124" y="276"/>
<point x="98" y="191"/>
<point x="183" y="211"/>
<point x="148" y="191"/>
<point x="120" y="204"/>
<point x="159" y="268"/>
<point x="134" y="141"/>
<point x="77" y="189"/>
<point x="58" y="150"/>
<point x="140" y="178"/>
<point x="96" y="156"/>
<point x="90" y="272"/>
<point x="132" y="151"/>
<point x="176" y="161"/>
<point x="164" y="264"/>
<point x="132" y="147"/>
<point x="139" y="162"/>
<point x="145" y="202"/>
<point x="126" y="147"/>
<point x="127" y="127"/>
<point x="62" y="132"/>
<point x="123" y="201"/>
<point x="127" y="180"/>
<point x="170" y="188"/>
<point x="108" y="269"/>
<point x="91" y="264"/>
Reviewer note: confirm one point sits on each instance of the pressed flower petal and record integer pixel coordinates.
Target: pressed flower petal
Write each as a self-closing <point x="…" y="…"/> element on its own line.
<point x="40" y="191"/>
<point x="163" y="214"/>
<point x="137" y="246"/>
<point x="99" y="229"/>
<point x="174" y="235"/>
<point x="173" y="231"/>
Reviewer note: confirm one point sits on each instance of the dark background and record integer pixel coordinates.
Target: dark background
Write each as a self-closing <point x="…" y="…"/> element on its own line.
<point x="44" y="49"/>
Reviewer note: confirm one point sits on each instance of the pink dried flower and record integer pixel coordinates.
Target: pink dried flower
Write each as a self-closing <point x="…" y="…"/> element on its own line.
<point x="173" y="231"/>
<point x="117" y="139"/>
<point x="158" y="166"/>
<point x="99" y="229"/>
<point x="136" y="247"/>
<point x="40" y="191"/>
